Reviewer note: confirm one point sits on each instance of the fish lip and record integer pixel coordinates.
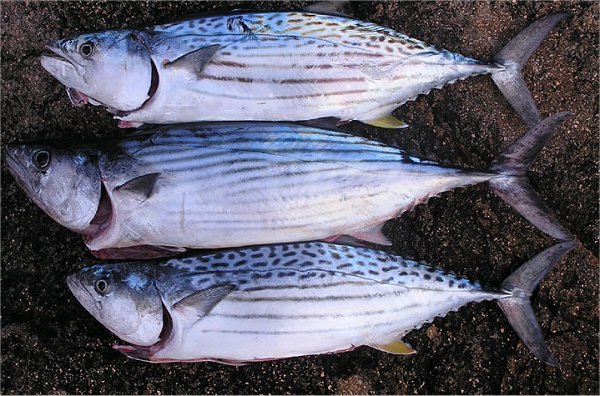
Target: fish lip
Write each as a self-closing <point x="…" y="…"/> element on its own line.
<point x="75" y="284"/>
<point x="61" y="56"/>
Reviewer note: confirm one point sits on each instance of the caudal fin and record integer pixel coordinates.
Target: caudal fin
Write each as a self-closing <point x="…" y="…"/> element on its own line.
<point x="513" y="57"/>
<point x="514" y="188"/>
<point x="517" y="308"/>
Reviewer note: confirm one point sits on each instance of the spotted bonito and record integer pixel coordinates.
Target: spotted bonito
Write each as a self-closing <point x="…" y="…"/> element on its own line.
<point x="273" y="66"/>
<point x="222" y="185"/>
<point x="280" y="301"/>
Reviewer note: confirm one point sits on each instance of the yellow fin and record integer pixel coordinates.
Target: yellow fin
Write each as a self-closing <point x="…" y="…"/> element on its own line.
<point x="395" y="347"/>
<point x="388" y="121"/>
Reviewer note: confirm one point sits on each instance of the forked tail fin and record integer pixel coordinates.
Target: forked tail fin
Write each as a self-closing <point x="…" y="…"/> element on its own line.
<point x="513" y="57"/>
<point x="514" y="187"/>
<point x="517" y="308"/>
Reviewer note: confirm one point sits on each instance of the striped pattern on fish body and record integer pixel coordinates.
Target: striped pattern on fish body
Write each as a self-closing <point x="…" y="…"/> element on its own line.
<point x="225" y="185"/>
<point x="310" y="298"/>
<point x="294" y="66"/>
<point x="278" y="301"/>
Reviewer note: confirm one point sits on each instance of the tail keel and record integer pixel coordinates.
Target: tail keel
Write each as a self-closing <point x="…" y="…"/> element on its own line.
<point x="513" y="57"/>
<point x="517" y="308"/>
<point x="514" y="187"/>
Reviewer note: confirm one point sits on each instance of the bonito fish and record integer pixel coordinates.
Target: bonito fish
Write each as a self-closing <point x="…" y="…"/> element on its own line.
<point x="231" y="184"/>
<point x="279" y="301"/>
<point x="273" y="66"/>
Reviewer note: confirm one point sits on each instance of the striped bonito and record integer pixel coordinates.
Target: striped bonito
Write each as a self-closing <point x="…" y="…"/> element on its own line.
<point x="232" y="184"/>
<point x="280" y="301"/>
<point x="273" y="66"/>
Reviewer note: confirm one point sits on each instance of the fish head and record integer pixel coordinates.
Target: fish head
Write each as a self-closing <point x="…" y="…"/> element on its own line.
<point x="64" y="183"/>
<point x="112" y="68"/>
<point x="123" y="298"/>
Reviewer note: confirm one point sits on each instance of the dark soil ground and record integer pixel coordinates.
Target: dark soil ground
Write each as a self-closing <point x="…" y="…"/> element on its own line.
<point x="50" y="344"/>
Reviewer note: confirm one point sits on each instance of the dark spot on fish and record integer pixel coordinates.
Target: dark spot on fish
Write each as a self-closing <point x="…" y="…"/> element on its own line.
<point x="242" y="281"/>
<point x="336" y="256"/>
<point x="200" y="268"/>
<point x="279" y="22"/>
<point x="404" y="264"/>
<point x="254" y="249"/>
<point x="306" y="264"/>
<point x="427" y="276"/>
<point x="321" y="251"/>
<point x="272" y="254"/>
<point x="285" y="248"/>
<point x="373" y="272"/>
<point x="218" y="256"/>
<point x="218" y="26"/>
<point x="307" y="253"/>
<point x="203" y="280"/>
<point x="309" y="275"/>
<point x="256" y="255"/>
<point x="430" y="269"/>
<point x="204" y="259"/>
<point x="414" y="273"/>
<point x="461" y="285"/>
<point x="276" y="261"/>
<point x="344" y="266"/>
<point x="450" y="283"/>
<point x="284" y="274"/>
<point x="289" y="263"/>
<point x="382" y="259"/>
<point x="439" y="279"/>
<point x="240" y="263"/>
<point x="360" y="263"/>
<point x="322" y="276"/>
<point x="391" y="278"/>
<point x="259" y="264"/>
<point x="324" y="262"/>
<point x="231" y="256"/>
<point x="403" y="273"/>
<point x="289" y="254"/>
<point x="357" y="273"/>
<point x="381" y="38"/>
<point x="220" y="265"/>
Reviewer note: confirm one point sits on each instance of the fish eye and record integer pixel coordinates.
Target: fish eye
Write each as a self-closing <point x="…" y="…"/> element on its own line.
<point x="41" y="160"/>
<point x="86" y="49"/>
<point x="101" y="286"/>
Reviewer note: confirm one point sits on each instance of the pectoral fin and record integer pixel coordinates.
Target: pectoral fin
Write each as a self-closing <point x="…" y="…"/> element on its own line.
<point x="388" y="121"/>
<point x="196" y="60"/>
<point x="203" y="301"/>
<point x="372" y="234"/>
<point x="395" y="347"/>
<point x="141" y="187"/>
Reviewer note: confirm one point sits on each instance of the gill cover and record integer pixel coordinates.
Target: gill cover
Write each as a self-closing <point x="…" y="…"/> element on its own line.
<point x="65" y="184"/>
<point x="113" y="68"/>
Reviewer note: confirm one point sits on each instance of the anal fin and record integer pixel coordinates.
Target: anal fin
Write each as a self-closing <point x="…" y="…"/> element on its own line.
<point x="372" y="234"/>
<point x="395" y="347"/>
<point x="388" y="121"/>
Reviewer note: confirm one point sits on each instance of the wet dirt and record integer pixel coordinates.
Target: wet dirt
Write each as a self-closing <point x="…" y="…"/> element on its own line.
<point x="50" y="344"/>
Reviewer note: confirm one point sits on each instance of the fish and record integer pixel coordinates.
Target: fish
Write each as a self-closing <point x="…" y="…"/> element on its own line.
<point x="280" y="301"/>
<point x="216" y="185"/>
<point x="274" y="66"/>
